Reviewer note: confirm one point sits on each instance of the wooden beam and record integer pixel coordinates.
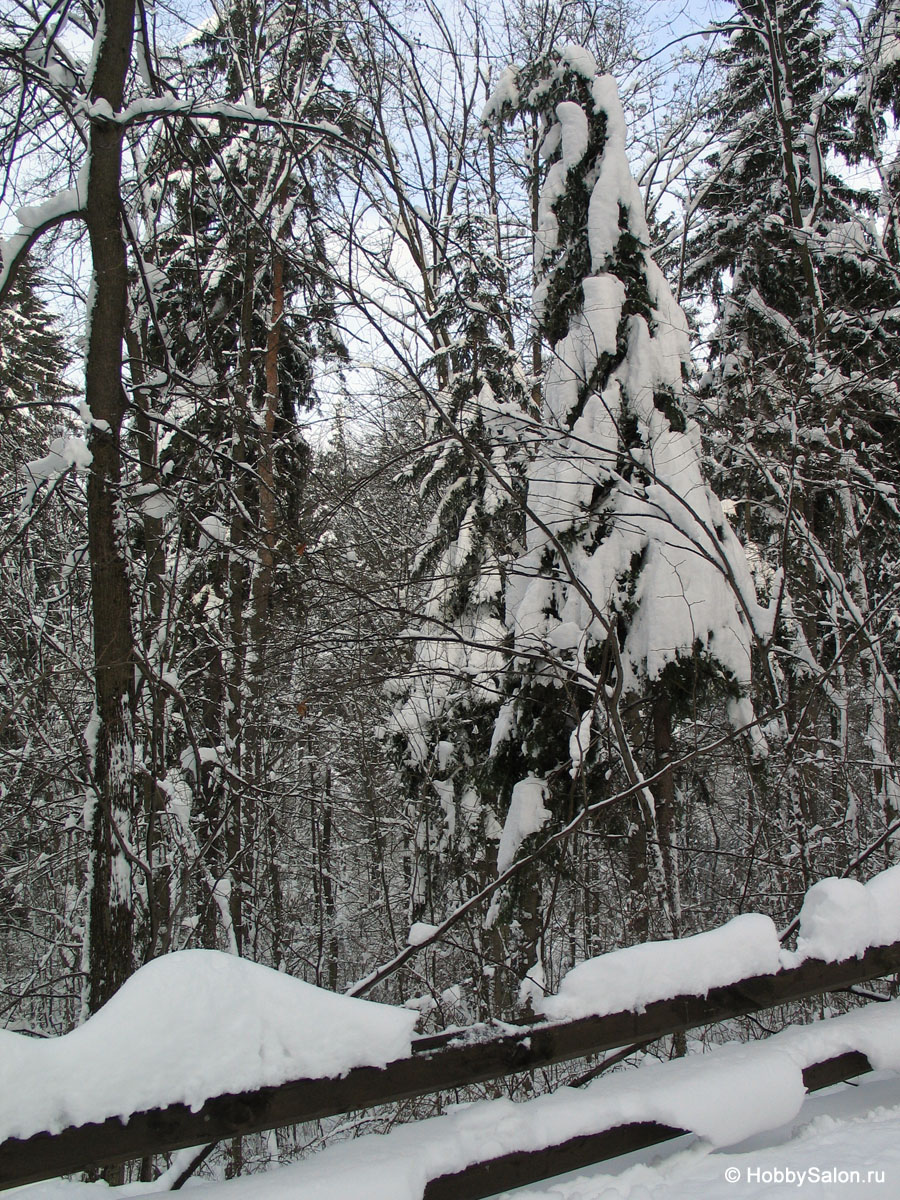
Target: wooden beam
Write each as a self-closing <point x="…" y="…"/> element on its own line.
<point x="835" y="1070"/>
<point x="450" y="1066"/>
<point x="531" y="1166"/>
<point x="524" y="1167"/>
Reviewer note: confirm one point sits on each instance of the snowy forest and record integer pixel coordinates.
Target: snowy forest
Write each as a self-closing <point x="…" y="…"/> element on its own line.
<point x="450" y="462"/>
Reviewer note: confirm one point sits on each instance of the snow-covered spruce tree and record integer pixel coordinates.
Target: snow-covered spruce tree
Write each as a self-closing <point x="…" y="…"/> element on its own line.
<point x="471" y="475"/>
<point x="632" y="602"/>
<point x="804" y="397"/>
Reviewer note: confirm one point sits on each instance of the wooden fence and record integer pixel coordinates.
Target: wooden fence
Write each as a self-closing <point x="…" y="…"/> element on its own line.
<point x="448" y="1061"/>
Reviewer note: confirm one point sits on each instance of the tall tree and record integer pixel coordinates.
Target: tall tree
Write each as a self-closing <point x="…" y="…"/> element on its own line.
<point x="220" y="365"/>
<point x="632" y="599"/>
<point x="471" y="476"/>
<point x="804" y="398"/>
<point x="110" y="942"/>
<point x="877" y="105"/>
<point x="45" y="656"/>
<point x="244" y="265"/>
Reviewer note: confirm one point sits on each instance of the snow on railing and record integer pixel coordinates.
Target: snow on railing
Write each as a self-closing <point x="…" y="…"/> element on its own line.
<point x="723" y="1096"/>
<point x="188" y="1026"/>
<point x="840" y="919"/>
<point x="192" y="1024"/>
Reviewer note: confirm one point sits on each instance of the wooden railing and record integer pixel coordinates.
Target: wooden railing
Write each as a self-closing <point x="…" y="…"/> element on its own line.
<point x="448" y="1061"/>
<point x="530" y="1166"/>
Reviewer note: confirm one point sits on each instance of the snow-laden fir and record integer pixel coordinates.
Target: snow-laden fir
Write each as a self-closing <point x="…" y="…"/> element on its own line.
<point x="632" y="585"/>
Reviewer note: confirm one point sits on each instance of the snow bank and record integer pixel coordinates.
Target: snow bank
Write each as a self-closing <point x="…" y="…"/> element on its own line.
<point x="841" y="1146"/>
<point x="632" y="978"/>
<point x="853" y="1129"/>
<point x="186" y="1027"/>
<point x="842" y="918"/>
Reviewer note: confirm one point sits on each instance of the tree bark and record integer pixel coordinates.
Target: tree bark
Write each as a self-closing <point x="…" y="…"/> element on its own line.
<point x="666" y="806"/>
<point x="110" y="922"/>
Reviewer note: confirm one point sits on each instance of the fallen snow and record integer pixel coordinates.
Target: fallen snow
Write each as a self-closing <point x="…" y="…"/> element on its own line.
<point x="211" y="1023"/>
<point x="188" y="1026"/>
<point x="873" y="1030"/>
<point x="631" y="978"/>
<point x="153" y="501"/>
<point x="615" y="185"/>
<point x="725" y="1096"/>
<point x="827" y="1151"/>
<point x="213" y="531"/>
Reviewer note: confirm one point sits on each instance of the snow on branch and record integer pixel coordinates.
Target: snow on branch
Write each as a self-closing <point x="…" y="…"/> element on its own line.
<point x="64" y="454"/>
<point x="35" y="220"/>
<point x="155" y="106"/>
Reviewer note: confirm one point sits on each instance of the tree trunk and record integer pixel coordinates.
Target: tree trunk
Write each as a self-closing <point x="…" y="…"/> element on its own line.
<point x="110" y="922"/>
<point x="238" y="594"/>
<point x="152" y="802"/>
<point x="666" y="810"/>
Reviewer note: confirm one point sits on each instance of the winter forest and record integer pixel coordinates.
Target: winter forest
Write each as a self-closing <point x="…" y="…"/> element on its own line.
<point x="450" y="462"/>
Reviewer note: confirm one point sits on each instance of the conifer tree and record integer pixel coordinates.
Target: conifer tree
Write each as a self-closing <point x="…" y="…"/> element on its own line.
<point x="45" y="658"/>
<point x="225" y="347"/>
<point x="471" y="476"/>
<point x="33" y="360"/>
<point x="633" y="597"/>
<point x="803" y="392"/>
<point x="877" y="110"/>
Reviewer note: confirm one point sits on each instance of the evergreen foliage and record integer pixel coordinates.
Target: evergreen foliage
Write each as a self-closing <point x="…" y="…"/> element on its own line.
<point x="276" y="691"/>
<point x="804" y="401"/>
<point x="632" y="586"/>
<point x="471" y="477"/>
<point x="44" y="657"/>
